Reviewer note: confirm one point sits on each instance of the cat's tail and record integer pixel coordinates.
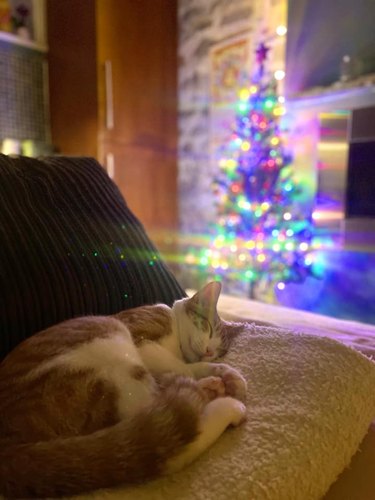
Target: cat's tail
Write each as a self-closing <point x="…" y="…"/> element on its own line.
<point x="129" y="452"/>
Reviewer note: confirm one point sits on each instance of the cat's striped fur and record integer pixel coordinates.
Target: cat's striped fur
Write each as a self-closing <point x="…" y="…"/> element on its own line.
<point x="96" y="402"/>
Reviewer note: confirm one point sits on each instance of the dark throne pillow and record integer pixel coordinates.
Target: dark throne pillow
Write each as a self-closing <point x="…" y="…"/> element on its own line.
<point x="70" y="246"/>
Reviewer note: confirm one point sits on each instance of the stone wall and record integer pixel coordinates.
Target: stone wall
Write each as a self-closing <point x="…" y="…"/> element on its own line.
<point x="202" y="23"/>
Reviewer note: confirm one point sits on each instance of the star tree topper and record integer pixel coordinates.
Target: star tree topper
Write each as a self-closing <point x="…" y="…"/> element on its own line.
<point x="261" y="53"/>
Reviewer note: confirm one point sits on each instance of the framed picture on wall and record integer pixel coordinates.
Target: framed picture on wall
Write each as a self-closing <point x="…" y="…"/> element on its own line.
<point x="230" y="62"/>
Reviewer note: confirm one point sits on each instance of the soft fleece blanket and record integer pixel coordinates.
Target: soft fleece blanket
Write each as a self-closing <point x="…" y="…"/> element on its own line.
<point x="310" y="402"/>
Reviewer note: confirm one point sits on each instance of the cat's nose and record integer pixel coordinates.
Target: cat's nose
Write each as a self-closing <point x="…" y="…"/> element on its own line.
<point x="209" y="353"/>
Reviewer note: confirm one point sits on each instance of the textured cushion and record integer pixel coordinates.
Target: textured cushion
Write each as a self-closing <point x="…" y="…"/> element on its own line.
<point x="310" y="402"/>
<point x="70" y="246"/>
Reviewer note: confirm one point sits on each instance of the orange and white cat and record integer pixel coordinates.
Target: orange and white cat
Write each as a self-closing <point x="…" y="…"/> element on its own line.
<point x="96" y="402"/>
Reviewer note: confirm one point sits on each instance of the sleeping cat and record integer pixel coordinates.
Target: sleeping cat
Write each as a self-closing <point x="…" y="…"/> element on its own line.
<point x="96" y="402"/>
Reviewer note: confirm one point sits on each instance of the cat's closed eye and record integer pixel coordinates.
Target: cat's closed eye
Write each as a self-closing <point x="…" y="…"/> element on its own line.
<point x="201" y="323"/>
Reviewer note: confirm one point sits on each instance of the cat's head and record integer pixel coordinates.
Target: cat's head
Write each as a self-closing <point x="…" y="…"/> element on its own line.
<point x="203" y="335"/>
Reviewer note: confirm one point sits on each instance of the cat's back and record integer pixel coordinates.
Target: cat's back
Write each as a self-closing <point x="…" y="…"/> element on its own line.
<point x="147" y="323"/>
<point x="42" y="349"/>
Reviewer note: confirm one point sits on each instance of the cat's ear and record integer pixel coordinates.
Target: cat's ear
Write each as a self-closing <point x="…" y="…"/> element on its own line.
<point x="208" y="296"/>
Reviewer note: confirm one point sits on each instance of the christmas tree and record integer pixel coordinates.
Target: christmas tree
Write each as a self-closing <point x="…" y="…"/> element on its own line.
<point x="262" y="234"/>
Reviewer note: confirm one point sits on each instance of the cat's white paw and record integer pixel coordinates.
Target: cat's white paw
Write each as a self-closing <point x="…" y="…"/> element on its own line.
<point x="225" y="410"/>
<point x="235" y="384"/>
<point x="212" y="386"/>
<point x="238" y="412"/>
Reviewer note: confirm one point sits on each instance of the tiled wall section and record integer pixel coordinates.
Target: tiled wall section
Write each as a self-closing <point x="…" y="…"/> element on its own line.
<point x="22" y="102"/>
<point x="202" y="23"/>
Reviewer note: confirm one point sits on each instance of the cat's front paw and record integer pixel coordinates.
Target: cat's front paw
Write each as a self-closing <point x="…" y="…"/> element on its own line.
<point x="238" y="411"/>
<point x="235" y="384"/>
<point x="229" y="410"/>
<point x="213" y="387"/>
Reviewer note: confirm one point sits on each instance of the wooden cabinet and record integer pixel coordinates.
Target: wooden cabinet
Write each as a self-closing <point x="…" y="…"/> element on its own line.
<point x="113" y="87"/>
<point x="71" y="30"/>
